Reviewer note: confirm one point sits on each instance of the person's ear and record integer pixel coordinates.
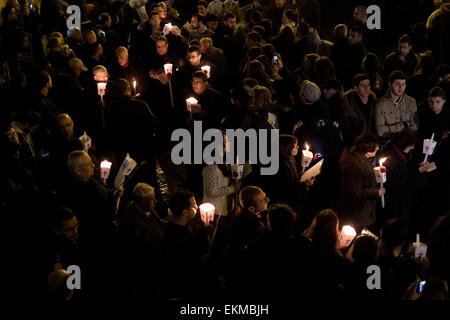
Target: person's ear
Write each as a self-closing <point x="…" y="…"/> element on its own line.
<point x="252" y="209"/>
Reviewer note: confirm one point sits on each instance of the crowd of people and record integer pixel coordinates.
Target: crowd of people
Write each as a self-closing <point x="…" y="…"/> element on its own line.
<point x="314" y="70"/>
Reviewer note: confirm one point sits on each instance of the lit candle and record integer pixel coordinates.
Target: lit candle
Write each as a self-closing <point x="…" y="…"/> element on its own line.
<point x="189" y="103"/>
<point x="168" y="68"/>
<point x="307" y="156"/>
<point x="348" y="233"/>
<point x="207" y="212"/>
<point x="380" y="176"/>
<point x="101" y="88"/>
<point x="134" y="84"/>
<point x="207" y="70"/>
<point x="105" y="167"/>
<point x="428" y="147"/>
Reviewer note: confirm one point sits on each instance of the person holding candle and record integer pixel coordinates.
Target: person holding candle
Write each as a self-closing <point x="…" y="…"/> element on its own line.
<point x="359" y="190"/>
<point x="185" y="245"/>
<point x="94" y="205"/>
<point x="286" y="186"/>
<point x="332" y="267"/>
<point x="403" y="178"/>
<point x="434" y="118"/>
<point x="131" y="128"/>
<point x="209" y="100"/>
<point x="126" y="69"/>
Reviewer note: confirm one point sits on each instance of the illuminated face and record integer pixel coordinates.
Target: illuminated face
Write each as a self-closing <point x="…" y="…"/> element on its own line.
<point x="198" y="85"/>
<point x="363" y="89"/>
<point x="231" y="23"/>
<point x="213" y="25"/>
<point x="280" y="3"/>
<point x="354" y="37"/>
<point x="194" y="58"/>
<point x="150" y="201"/>
<point x="91" y="37"/>
<point x="201" y="9"/>
<point x="404" y="48"/>
<point x="162" y="47"/>
<point x="69" y="229"/>
<point x="86" y="168"/>
<point x="155" y="21"/>
<point x="65" y="125"/>
<point x="101" y="76"/>
<point x="122" y="58"/>
<point x="163" y="12"/>
<point x="294" y="150"/>
<point x="436" y="104"/>
<point x="329" y="92"/>
<point x="398" y="87"/>
<point x="204" y="46"/>
<point x="192" y="208"/>
<point x="261" y="201"/>
<point x="12" y="135"/>
<point x="359" y="15"/>
<point x="194" y="23"/>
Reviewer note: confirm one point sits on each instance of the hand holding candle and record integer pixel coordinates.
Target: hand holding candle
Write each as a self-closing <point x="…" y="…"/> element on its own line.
<point x="348" y="233"/>
<point x="206" y="70"/>
<point x="101" y="89"/>
<point x="105" y="167"/>
<point x="207" y="213"/>
<point x="167" y="28"/>
<point x="428" y="147"/>
<point x="380" y="176"/>
<point x="168" y="67"/>
<point x="190" y="103"/>
<point x="307" y="156"/>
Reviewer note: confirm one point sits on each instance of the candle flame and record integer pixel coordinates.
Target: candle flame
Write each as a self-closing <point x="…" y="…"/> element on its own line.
<point x="349" y="230"/>
<point x="382" y="160"/>
<point x="206" y="207"/>
<point x="307" y="147"/>
<point x="105" y="164"/>
<point x="192" y="100"/>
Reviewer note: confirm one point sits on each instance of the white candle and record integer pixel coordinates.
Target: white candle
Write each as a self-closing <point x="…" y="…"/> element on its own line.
<point x="428" y="147"/>
<point x="380" y="176"/>
<point x="307" y="156"/>
<point x="348" y="233"/>
<point x="191" y="101"/>
<point x="168" y="68"/>
<point x="207" y="212"/>
<point x="207" y="70"/>
<point x="105" y="167"/>
<point x="101" y="88"/>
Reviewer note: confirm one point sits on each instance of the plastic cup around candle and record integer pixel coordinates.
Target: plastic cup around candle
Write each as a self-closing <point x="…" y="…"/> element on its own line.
<point x="101" y="88"/>
<point x="307" y="156"/>
<point x="168" y="68"/>
<point x="207" y="212"/>
<point x="429" y="146"/>
<point x="348" y="233"/>
<point x="105" y="167"/>
<point x="207" y="70"/>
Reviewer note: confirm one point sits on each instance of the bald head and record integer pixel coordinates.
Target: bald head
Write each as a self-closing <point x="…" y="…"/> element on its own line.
<point x="65" y="125"/>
